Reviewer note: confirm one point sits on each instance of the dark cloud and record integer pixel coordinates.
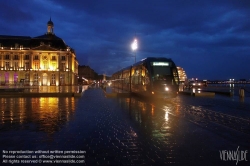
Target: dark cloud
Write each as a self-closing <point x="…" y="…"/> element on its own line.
<point x="206" y="38"/>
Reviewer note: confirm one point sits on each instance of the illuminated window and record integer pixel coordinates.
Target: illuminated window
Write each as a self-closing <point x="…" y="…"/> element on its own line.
<point x="27" y="65"/>
<point x="15" y="78"/>
<point x="53" y="79"/>
<point x="27" y="57"/>
<point x="62" y="79"/>
<point x="27" y="79"/>
<point x="35" y="79"/>
<point x="45" y="65"/>
<point x="7" y="56"/>
<point x="63" y="67"/>
<point x="176" y="77"/>
<point x="53" y="58"/>
<point x="53" y="65"/>
<point x="15" y="57"/>
<point x="36" y="65"/>
<point x="7" y="65"/>
<point x="6" y="78"/>
<point x="15" y="65"/>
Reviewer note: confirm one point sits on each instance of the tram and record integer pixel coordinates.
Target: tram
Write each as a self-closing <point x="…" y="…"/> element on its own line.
<point x="151" y="77"/>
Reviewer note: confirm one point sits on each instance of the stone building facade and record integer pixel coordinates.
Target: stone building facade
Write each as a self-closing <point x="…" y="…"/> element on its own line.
<point x="182" y="74"/>
<point x="44" y="60"/>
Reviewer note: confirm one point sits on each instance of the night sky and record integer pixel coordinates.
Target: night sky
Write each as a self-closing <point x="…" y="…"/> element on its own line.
<point x="210" y="39"/>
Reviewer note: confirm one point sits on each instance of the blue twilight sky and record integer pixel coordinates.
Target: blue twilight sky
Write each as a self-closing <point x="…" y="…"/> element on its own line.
<point x="210" y="39"/>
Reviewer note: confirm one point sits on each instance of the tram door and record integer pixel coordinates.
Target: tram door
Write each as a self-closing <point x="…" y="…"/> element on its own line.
<point x="45" y="79"/>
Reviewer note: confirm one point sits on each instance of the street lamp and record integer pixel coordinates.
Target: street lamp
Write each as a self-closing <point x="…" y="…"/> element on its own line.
<point x="134" y="46"/>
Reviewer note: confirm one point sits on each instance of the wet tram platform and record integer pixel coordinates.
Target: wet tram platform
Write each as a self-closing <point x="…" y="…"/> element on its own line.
<point x="128" y="130"/>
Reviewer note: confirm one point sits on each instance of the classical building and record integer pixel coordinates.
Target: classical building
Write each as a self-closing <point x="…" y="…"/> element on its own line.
<point x="182" y="74"/>
<point x="44" y="60"/>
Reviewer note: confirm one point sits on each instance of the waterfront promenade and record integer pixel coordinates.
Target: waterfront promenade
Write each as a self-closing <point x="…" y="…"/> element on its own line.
<point x="185" y="130"/>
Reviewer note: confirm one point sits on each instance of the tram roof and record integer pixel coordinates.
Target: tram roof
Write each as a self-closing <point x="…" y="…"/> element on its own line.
<point x="146" y="60"/>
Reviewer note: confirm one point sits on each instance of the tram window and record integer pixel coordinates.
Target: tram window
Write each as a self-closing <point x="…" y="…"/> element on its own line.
<point x="161" y="70"/>
<point x="126" y="76"/>
<point x="175" y="74"/>
<point x="136" y="74"/>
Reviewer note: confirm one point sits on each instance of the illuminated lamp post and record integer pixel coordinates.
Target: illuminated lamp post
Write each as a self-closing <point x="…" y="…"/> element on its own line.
<point x="134" y="47"/>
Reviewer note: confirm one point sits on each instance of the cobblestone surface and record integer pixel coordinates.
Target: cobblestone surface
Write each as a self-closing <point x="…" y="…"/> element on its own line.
<point x="129" y="131"/>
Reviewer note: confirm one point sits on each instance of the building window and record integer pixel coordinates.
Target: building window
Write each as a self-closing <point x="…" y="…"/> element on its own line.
<point x="15" y="78"/>
<point x="27" y="57"/>
<point x="7" y="65"/>
<point x="36" y="65"/>
<point x="6" y="78"/>
<point x="53" y="65"/>
<point x="35" y="79"/>
<point x="63" y="58"/>
<point x="15" y="65"/>
<point x="27" y="65"/>
<point x="45" y="65"/>
<point x="36" y="57"/>
<point x="15" y="57"/>
<point x="53" y="79"/>
<point x="27" y="79"/>
<point x="63" y="67"/>
<point x="53" y="58"/>
<point x="62" y="79"/>
<point x="7" y="56"/>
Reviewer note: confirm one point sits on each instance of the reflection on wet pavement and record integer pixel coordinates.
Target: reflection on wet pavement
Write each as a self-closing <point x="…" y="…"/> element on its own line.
<point x="128" y="131"/>
<point x="36" y="114"/>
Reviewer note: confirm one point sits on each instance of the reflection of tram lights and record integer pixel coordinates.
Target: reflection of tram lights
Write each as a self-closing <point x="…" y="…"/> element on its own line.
<point x="166" y="89"/>
<point x="166" y="116"/>
<point x="152" y="110"/>
<point x="153" y="92"/>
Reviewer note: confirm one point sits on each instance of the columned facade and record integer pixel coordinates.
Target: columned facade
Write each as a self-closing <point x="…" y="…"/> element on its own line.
<point x="44" y="60"/>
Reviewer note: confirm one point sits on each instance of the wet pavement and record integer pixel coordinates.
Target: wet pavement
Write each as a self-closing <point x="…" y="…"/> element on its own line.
<point x="129" y="131"/>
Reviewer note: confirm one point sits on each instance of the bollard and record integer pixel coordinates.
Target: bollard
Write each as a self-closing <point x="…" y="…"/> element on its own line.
<point x="241" y="92"/>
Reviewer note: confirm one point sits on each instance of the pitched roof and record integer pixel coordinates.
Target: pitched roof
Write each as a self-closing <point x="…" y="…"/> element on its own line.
<point x="47" y="39"/>
<point x="11" y="41"/>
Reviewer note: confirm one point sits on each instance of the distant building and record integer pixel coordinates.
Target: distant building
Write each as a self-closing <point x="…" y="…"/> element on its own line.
<point x="43" y="60"/>
<point x="182" y="74"/>
<point x="86" y="74"/>
<point x="103" y="77"/>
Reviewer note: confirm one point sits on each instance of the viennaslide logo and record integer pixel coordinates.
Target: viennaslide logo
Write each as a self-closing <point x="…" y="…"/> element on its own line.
<point x="234" y="155"/>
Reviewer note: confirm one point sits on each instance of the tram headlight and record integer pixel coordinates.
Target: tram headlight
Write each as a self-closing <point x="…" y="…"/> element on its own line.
<point x="166" y="89"/>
